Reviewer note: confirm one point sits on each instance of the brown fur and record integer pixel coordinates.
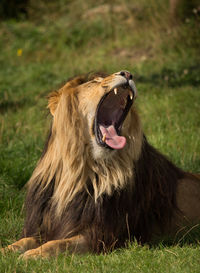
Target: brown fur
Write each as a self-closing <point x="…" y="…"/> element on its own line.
<point x="85" y="198"/>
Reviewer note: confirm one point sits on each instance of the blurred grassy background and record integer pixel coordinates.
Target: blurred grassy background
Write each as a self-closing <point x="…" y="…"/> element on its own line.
<point x="43" y="43"/>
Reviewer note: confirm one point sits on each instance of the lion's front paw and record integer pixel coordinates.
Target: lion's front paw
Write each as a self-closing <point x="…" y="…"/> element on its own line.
<point x="34" y="254"/>
<point x="31" y="254"/>
<point x="10" y="248"/>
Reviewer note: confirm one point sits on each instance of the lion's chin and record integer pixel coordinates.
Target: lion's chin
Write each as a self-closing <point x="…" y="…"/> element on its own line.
<point x="101" y="153"/>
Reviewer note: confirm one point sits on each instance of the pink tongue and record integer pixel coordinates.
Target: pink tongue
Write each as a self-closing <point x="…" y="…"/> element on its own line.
<point x="111" y="137"/>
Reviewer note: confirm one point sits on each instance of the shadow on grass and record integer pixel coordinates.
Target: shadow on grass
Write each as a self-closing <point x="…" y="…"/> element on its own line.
<point x="174" y="77"/>
<point x="12" y="105"/>
<point x="188" y="235"/>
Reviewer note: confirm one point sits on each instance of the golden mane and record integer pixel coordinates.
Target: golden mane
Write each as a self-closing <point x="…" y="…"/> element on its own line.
<point x="68" y="157"/>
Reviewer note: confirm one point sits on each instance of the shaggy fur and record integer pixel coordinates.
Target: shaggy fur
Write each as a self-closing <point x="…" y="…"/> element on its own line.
<point x="105" y="197"/>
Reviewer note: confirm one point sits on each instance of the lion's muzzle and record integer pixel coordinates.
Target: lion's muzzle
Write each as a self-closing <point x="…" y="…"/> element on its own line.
<point x="113" y="109"/>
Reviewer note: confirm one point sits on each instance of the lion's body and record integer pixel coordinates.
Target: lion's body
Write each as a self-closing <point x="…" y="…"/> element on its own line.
<point x="82" y="197"/>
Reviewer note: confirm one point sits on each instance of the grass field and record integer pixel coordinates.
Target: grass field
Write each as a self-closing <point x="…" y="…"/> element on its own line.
<point x="64" y="39"/>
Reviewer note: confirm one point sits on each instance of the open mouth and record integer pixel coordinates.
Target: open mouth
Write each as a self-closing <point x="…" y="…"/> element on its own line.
<point x="110" y="115"/>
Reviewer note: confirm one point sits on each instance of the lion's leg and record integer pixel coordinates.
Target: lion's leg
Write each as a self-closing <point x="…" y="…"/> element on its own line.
<point x="22" y="245"/>
<point x="75" y="244"/>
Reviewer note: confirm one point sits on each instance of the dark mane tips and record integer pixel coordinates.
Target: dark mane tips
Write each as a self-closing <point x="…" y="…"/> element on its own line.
<point x="156" y="181"/>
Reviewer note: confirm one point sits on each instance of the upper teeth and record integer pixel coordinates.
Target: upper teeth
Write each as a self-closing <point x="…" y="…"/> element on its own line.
<point x="130" y="93"/>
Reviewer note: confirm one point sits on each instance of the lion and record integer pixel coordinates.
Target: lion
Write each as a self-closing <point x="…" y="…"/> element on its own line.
<point x="99" y="183"/>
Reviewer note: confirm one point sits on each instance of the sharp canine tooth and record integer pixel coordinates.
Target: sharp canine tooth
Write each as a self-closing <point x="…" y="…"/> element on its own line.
<point x="131" y="95"/>
<point x="104" y="138"/>
<point x="115" y="91"/>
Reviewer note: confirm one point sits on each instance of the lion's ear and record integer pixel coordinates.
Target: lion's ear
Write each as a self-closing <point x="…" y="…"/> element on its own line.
<point x="53" y="100"/>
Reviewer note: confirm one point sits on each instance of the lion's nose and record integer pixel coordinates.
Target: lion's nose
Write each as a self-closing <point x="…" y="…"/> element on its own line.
<point x="126" y="74"/>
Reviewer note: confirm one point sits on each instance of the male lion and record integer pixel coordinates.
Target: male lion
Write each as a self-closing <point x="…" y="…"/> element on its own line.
<point x="99" y="182"/>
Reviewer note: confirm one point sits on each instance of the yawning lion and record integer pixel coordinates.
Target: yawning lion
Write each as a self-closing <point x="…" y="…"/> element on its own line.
<point x="99" y="183"/>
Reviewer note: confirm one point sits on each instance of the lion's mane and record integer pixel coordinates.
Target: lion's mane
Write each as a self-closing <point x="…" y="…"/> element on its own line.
<point x="107" y="200"/>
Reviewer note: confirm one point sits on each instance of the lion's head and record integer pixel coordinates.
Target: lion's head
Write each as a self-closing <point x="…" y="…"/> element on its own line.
<point x="95" y="136"/>
<point x="104" y="103"/>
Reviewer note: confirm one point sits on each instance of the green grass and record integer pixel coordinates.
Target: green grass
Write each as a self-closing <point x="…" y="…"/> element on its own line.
<point x="66" y="38"/>
<point x="133" y="259"/>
